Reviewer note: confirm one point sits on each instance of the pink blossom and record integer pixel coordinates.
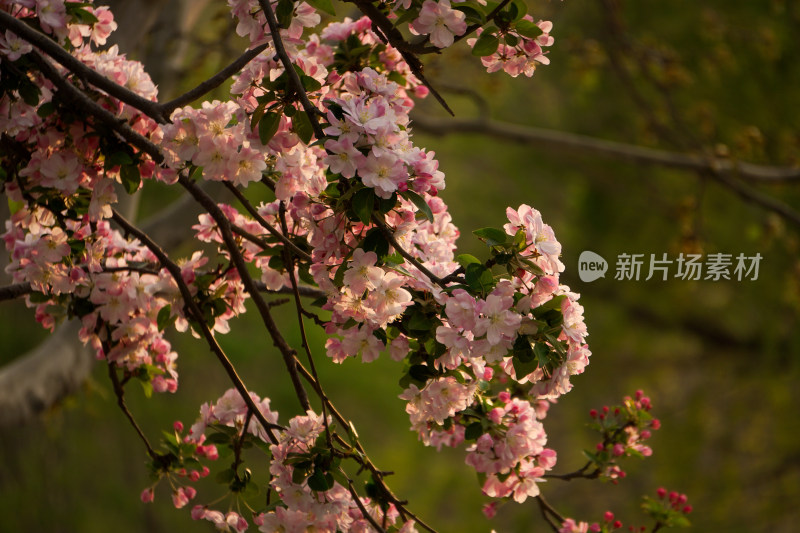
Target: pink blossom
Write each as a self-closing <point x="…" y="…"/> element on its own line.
<point x="383" y="173"/>
<point x="12" y="46"/>
<point x="440" y="21"/>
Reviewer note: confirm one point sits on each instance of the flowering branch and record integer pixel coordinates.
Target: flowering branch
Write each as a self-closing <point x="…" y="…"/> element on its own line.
<point x="76" y="97"/>
<point x="277" y="338"/>
<point x="288" y="65"/>
<point x="51" y="48"/>
<point x="175" y="271"/>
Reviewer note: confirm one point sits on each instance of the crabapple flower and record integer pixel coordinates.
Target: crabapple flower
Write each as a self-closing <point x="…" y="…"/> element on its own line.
<point x="440" y="21"/>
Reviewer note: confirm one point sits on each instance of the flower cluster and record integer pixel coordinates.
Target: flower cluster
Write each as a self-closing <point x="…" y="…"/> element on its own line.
<point x="624" y="429"/>
<point x="669" y="509"/>
<point x="608" y="525"/>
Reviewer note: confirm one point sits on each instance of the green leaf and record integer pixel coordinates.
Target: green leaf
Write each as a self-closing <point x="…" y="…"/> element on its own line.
<point x="478" y="277"/>
<point x="164" y="319"/>
<point x="77" y="11"/>
<point x="387" y="204"/>
<point x="320" y="481"/>
<point x="376" y="242"/>
<point x="218" y="438"/>
<point x="523" y="368"/>
<point x="523" y="349"/>
<point x="117" y="159"/>
<point x="472" y="15"/>
<point x="147" y="388"/>
<point x="14" y="206"/>
<point x="418" y="322"/>
<point x="486" y="45"/>
<point x="299" y="475"/>
<point x="473" y="431"/>
<point x="398" y="78"/>
<point x="422" y="372"/>
<point x="406" y="16"/>
<point x="257" y="115"/>
<point x="284" y="13"/>
<point x="46" y="109"/>
<point x="519" y="9"/>
<point x="310" y="84"/>
<point x="323" y="5"/>
<point x="491" y="236"/>
<point x="301" y="125"/>
<point x="420" y="202"/>
<point x="363" y="204"/>
<point x="268" y="126"/>
<point x="466" y="259"/>
<point x="131" y="178"/>
<point x="511" y="40"/>
<point x="528" y="29"/>
<point x="29" y="92"/>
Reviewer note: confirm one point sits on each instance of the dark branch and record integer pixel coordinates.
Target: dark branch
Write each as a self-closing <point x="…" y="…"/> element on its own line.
<point x="78" y="98"/>
<point x="54" y="50"/>
<point x="310" y="109"/>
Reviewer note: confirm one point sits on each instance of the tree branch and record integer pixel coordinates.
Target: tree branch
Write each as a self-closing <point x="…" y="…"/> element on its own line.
<point x="54" y="50"/>
<point x="724" y="171"/>
<point x="574" y="142"/>
<point x="274" y="31"/>
<point x="407" y="256"/>
<point x="266" y="225"/>
<point x="407" y="50"/>
<point x="197" y="316"/>
<point x="213" y="82"/>
<point x="224" y="226"/>
<point x="75" y="96"/>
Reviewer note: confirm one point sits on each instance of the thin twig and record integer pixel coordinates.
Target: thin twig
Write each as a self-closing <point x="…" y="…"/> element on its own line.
<point x="407" y="50"/>
<point x="360" y="505"/>
<point x="310" y="109"/>
<point x="364" y="460"/>
<point x="119" y="391"/>
<point x="546" y="509"/>
<point x="213" y="82"/>
<point x="289" y="264"/>
<point x="266" y="225"/>
<point x="407" y="256"/>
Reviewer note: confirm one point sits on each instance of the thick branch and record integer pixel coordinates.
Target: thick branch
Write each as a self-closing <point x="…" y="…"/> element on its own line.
<point x="54" y="50"/>
<point x="727" y="172"/>
<point x="75" y="96"/>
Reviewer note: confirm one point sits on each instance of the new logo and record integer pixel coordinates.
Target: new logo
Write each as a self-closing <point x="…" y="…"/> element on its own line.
<point x="591" y="266"/>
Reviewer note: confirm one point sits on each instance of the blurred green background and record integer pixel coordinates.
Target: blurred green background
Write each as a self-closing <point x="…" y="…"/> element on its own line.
<point x="720" y="360"/>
